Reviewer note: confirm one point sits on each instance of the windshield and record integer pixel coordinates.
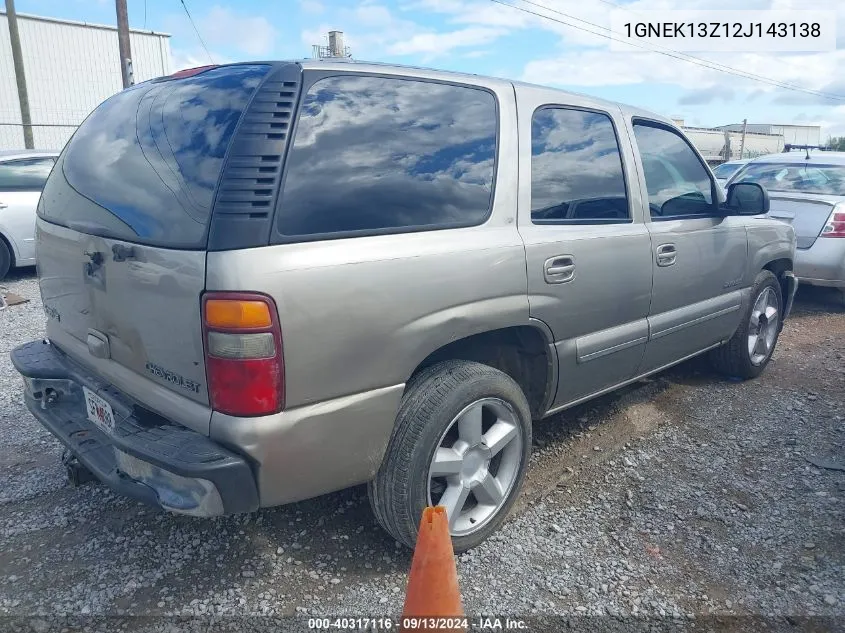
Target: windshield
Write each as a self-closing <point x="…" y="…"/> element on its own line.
<point x="726" y="170"/>
<point x="796" y="177"/>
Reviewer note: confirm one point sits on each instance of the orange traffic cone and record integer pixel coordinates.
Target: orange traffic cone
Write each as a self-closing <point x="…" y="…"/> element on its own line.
<point x="433" y="594"/>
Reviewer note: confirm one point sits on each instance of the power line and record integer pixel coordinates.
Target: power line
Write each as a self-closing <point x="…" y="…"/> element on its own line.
<point x="196" y="30"/>
<point x="727" y="68"/>
<point x="667" y="52"/>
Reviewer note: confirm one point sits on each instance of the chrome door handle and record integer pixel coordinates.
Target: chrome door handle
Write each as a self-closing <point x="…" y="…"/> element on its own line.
<point x="559" y="269"/>
<point x="667" y="254"/>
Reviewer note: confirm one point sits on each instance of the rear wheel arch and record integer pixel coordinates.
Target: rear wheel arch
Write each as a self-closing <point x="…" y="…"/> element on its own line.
<point x="524" y="352"/>
<point x="778" y="267"/>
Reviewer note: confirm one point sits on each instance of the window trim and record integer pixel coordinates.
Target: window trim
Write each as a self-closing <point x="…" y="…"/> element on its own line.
<point x="579" y="221"/>
<point x="12" y="161"/>
<point x="715" y="213"/>
<point x="311" y="77"/>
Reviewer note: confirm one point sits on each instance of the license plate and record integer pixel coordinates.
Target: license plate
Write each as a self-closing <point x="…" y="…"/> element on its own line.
<point x="99" y="411"/>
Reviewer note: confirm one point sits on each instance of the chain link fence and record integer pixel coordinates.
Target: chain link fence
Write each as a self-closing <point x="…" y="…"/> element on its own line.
<point x="45" y="135"/>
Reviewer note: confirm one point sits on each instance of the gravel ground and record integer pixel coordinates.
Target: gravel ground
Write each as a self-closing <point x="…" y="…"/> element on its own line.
<point x="681" y="497"/>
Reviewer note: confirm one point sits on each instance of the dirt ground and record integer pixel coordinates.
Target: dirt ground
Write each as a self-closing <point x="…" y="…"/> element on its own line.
<point x="683" y="496"/>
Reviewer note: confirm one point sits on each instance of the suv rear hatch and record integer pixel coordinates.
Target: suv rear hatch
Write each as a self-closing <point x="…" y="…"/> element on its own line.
<point x="122" y="234"/>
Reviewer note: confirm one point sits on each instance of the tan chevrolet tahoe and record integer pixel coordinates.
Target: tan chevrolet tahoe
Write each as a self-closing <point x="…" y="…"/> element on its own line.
<point x="268" y="281"/>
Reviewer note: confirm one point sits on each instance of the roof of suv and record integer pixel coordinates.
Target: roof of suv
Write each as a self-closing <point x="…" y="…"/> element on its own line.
<point x="800" y="156"/>
<point x="350" y="65"/>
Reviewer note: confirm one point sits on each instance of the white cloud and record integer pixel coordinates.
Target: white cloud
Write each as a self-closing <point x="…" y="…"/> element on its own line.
<point x="311" y="6"/>
<point x="182" y="58"/>
<point x="441" y="43"/>
<point x="252" y="35"/>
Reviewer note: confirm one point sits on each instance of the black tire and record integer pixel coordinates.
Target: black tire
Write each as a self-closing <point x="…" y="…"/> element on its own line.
<point x="5" y="259"/>
<point x="432" y="400"/>
<point x="733" y="358"/>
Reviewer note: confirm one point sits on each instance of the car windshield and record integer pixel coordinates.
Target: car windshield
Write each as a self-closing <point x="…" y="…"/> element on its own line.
<point x="726" y="170"/>
<point x="796" y="177"/>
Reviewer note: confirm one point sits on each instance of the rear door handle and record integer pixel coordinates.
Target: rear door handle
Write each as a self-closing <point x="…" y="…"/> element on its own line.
<point x="559" y="269"/>
<point x="667" y="254"/>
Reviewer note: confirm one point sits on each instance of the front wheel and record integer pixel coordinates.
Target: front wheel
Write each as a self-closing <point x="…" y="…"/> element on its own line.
<point x="462" y="440"/>
<point x="749" y="350"/>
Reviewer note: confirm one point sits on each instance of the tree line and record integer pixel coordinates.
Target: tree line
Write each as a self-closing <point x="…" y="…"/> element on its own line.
<point x="836" y="143"/>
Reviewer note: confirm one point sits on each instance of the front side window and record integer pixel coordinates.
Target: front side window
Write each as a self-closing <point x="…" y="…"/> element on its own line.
<point x="25" y="174"/>
<point x="678" y="184"/>
<point x="378" y="154"/>
<point x="576" y="168"/>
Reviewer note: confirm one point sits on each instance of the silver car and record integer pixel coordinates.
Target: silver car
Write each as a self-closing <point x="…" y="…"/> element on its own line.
<point x="268" y="281"/>
<point x="727" y="169"/>
<point x="807" y="190"/>
<point x="22" y="177"/>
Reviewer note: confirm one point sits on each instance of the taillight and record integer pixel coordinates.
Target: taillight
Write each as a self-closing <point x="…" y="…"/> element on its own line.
<point x="835" y="225"/>
<point x="243" y="353"/>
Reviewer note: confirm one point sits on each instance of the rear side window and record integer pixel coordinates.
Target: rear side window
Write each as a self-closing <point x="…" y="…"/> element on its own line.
<point x="25" y="174"/>
<point x="377" y="154"/>
<point x="576" y="168"/>
<point x="678" y="184"/>
<point x="146" y="162"/>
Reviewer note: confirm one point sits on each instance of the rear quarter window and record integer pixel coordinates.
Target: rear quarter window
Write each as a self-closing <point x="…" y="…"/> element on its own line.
<point x="378" y="154"/>
<point x="146" y="162"/>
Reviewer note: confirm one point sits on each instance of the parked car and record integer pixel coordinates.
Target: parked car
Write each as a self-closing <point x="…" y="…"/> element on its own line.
<point x="807" y="190"/>
<point x="373" y="276"/>
<point x="22" y="177"/>
<point x="727" y="169"/>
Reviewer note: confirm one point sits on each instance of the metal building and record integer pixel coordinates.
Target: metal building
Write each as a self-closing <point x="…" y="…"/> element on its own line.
<point x="792" y="134"/>
<point x="70" y="67"/>
<point x="718" y="145"/>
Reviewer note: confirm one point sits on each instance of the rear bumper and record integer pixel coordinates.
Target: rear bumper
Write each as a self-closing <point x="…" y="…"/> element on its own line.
<point x="823" y="264"/>
<point x="147" y="457"/>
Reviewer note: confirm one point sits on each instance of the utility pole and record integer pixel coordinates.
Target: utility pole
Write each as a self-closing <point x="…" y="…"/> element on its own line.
<point x="20" y="76"/>
<point x="742" y="140"/>
<point x="123" y="43"/>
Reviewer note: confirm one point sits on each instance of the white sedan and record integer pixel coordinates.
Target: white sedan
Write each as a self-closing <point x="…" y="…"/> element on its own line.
<point x="807" y="191"/>
<point x="22" y="177"/>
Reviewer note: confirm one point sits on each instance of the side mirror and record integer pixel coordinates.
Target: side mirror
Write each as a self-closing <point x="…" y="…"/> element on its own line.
<point x="747" y="198"/>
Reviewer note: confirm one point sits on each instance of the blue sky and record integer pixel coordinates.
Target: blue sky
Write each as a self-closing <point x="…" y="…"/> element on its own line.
<point x="483" y="37"/>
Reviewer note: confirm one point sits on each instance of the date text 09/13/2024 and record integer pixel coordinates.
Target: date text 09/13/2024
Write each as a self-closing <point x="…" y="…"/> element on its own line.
<point x="481" y="623"/>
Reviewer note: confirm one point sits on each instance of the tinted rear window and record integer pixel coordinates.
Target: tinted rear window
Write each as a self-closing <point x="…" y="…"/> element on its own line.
<point x="146" y="162"/>
<point x="796" y="177"/>
<point x="379" y="154"/>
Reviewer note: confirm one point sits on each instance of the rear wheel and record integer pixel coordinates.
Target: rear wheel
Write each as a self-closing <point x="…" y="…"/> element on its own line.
<point x="462" y="440"/>
<point x="5" y="259"/>
<point x="749" y="350"/>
